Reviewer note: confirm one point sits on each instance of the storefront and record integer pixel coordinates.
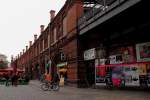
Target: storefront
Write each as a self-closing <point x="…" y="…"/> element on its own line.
<point x="62" y="71"/>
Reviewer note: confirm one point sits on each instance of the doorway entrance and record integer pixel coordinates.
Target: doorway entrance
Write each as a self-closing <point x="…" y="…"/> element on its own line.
<point x="90" y="72"/>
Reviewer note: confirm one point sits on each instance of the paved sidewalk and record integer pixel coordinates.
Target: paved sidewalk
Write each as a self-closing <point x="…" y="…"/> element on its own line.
<point x="33" y="92"/>
<point x="35" y="83"/>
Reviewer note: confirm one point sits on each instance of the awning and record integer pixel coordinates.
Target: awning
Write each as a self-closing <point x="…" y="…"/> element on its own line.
<point x="62" y="64"/>
<point x="63" y="70"/>
<point x="10" y="69"/>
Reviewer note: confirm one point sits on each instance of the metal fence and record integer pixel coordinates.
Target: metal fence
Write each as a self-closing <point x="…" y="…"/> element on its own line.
<point x="99" y="8"/>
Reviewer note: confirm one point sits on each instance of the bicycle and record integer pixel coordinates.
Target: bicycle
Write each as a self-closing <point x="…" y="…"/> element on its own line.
<point x="47" y="85"/>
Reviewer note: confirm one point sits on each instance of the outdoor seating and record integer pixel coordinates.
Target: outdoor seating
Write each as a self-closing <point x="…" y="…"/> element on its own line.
<point x="2" y="81"/>
<point x="20" y="81"/>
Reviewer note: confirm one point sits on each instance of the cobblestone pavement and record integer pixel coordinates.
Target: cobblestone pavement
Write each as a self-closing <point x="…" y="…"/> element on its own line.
<point x="33" y="92"/>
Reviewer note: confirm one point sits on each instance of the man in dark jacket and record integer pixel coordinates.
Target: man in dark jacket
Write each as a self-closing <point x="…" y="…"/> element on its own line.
<point x="14" y="79"/>
<point x="6" y="76"/>
<point x="56" y="78"/>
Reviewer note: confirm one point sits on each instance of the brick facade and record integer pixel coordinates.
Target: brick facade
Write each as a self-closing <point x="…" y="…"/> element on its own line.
<point x="61" y="33"/>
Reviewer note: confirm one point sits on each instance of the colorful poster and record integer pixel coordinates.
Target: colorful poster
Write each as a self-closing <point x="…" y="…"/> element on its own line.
<point x="128" y="54"/>
<point x="148" y="74"/>
<point x="100" y="75"/>
<point x="131" y="74"/>
<point x="117" y="76"/>
<point x="143" y="52"/>
<point x="137" y="74"/>
<point x="115" y="59"/>
<point x="142" y="69"/>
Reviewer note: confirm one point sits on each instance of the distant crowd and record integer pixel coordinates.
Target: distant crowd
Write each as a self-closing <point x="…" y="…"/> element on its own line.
<point x="14" y="79"/>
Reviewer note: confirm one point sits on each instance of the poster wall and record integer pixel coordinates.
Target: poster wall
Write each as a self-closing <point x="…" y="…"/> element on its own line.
<point x="137" y="74"/>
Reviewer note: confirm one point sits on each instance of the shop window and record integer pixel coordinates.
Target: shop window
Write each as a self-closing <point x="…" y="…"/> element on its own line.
<point x="55" y="32"/>
<point x="52" y="37"/>
<point x="65" y="26"/>
<point x="48" y="40"/>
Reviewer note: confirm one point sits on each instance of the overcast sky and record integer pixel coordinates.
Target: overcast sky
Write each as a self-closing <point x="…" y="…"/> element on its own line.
<point x="20" y="20"/>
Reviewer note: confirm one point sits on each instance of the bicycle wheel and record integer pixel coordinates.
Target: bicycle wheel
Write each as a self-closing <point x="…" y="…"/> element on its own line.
<point x="56" y="87"/>
<point x="44" y="87"/>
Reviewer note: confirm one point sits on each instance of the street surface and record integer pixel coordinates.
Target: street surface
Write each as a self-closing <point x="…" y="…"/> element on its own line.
<point x="33" y="92"/>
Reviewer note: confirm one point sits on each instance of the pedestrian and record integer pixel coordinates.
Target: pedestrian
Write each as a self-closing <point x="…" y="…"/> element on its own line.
<point x="65" y="78"/>
<point x="56" y="78"/>
<point x="6" y="76"/>
<point x="13" y="78"/>
<point x="42" y="78"/>
<point x="26" y="78"/>
<point x="16" y="79"/>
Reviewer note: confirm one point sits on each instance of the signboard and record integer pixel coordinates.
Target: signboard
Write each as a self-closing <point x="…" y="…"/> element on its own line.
<point x="115" y="59"/>
<point x="89" y="54"/>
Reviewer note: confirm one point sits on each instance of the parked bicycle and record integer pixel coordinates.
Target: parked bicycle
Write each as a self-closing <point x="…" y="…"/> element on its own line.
<point x="47" y="85"/>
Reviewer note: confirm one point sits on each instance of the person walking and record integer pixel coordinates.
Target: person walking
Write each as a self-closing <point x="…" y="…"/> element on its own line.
<point x="27" y="78"/>
<point x="6" y="76"/>
<point x="14" y="79"/>
<point x="55" y="81"/>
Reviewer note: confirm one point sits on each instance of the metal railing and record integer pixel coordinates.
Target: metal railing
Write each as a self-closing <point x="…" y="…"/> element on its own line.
<point x="100" y="8"/>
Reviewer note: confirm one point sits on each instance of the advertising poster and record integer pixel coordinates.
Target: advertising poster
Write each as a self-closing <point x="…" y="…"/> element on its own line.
<point x="100" y="75"/>
<point x="142" y="69"/>
<point x="117" y="76"/>
<point x="128" y="54"/>
<point x="148" y="74"/>
<point x="143" y="52"/>
<point x="115" y="59"/>
<point x="144" y="74"/>
<point x="131" y="74"/>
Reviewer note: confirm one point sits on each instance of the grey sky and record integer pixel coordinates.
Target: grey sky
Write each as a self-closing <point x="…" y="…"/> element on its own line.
<point x="20" y="20"/>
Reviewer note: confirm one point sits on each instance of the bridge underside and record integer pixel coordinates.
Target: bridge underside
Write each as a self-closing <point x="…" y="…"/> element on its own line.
<point x="98" y="16"/>
<point x="131" y="22"/>
<point x="125" y="29"/>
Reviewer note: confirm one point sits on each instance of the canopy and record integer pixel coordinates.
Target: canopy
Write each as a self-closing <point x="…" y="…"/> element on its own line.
<point x="63" y="70"/>
<point x="10" y="69"/>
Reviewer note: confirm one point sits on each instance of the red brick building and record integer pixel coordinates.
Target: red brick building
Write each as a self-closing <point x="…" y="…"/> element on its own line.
<point x="82" y="34"/>
<point x="57" y="42"/>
